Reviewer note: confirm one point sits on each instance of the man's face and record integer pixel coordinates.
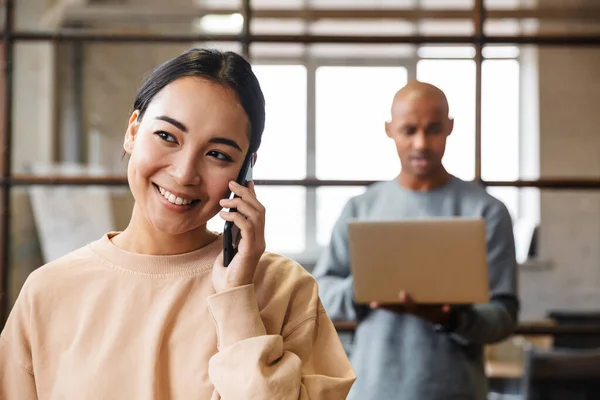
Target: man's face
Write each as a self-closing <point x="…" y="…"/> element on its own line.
<point x="419" y="127"/>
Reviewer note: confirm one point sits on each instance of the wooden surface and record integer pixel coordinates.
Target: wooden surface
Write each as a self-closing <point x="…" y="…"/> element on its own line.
<point x="503" y="369"/>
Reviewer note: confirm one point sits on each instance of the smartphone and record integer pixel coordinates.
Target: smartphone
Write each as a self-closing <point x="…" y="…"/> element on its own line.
<point x="231" y="233"/>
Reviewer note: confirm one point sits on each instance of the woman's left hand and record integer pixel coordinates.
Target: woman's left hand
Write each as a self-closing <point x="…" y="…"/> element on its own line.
<point x="250" y="219"/>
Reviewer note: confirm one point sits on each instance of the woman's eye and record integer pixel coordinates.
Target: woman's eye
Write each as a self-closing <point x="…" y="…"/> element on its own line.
<point x="219" y="156"/>
<point x="167" y="137"/>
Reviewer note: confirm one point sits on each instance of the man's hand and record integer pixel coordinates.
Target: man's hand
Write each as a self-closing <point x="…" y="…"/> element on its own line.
<point x="434" y="313"/>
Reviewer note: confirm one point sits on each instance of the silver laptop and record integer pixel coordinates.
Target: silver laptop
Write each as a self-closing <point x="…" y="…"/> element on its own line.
<point x="437" y="261"/>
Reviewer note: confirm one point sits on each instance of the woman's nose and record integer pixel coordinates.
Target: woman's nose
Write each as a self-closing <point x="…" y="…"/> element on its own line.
<point x="186" y="172"/>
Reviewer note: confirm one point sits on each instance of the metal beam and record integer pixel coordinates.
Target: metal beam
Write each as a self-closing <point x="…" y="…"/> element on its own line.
<point x="115" y="180"/>
<point x="6" y="160"/>
<point x="541" y="40"/>
<point x="246" y="32"/>
<point x="479" y="16"/>
<point x="134" y="14"/>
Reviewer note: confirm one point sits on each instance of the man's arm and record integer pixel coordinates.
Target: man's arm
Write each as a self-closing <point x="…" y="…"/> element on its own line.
<point x="332" y="272"/>
<point x="496" y="320"/>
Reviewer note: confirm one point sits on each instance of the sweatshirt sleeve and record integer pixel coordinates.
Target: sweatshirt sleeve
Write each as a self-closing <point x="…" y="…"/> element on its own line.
<point x="332" y="272"/>
<point x="305" y="361"/>
<point x="492" y="322"/>
<point x="17" y="381"/>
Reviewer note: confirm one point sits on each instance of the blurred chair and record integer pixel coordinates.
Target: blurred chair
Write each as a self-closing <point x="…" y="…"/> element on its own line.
<point x="504" y="362"/>
<point x="576" y="318"/>
<point x="561" y="374"/>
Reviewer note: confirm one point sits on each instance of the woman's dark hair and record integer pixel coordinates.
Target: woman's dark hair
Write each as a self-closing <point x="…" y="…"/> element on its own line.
<point x="225" y="68"/>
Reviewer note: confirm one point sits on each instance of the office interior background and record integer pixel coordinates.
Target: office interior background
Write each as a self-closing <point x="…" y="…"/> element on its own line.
<point x="521" y="76"/>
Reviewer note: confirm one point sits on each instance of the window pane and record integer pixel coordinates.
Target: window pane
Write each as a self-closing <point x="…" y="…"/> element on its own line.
<point x="362" y="4"/>
<point x="330" y="202"/>
<point x="360" y="51"/>
<point x="284" y="87"/>
<point x="457" y="79"/>
<point x="500" y="120"/>
<point x="357" y="27"/>
<point x="446" y="52"/>
<point x="270" y="4"/>
<point x="213" y="24"/>
<point x="445" y="27"/>
<point x="285" y="221"/>
<point x="263" y="26"/>
<point x="509" y="196"/>
<point x="502" y="4"/>
<point x="500" y="52"/>
<point x="219" y="4"/>
<point x="352" y="105"/>
<point x="447" y="4"/>
<point x="502" y="27"/>
<point x="266" y="51"/>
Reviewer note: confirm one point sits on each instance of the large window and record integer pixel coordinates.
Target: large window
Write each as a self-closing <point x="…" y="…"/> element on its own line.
<point x="325" y="120"/>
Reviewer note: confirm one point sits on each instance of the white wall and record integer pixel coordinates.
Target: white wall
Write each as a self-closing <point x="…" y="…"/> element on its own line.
<point x="569" y="147"/>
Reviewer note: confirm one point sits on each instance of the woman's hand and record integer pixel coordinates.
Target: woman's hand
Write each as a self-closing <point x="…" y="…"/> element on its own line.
<point x="250" y="219"/>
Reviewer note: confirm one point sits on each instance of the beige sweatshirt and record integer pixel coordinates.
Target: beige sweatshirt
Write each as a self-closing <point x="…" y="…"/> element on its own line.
<point x="103" y="323"/>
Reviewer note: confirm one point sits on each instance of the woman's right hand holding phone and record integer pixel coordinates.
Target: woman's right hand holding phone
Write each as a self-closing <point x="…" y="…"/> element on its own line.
<point x="250" y="219"/>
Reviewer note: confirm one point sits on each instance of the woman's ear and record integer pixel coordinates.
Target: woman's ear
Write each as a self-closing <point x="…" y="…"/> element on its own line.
<point x="131" y="132"/>
<point x="254" y="158"/>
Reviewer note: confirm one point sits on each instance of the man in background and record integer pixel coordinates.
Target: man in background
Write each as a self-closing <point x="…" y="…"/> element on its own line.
<point x="413" y="351"/>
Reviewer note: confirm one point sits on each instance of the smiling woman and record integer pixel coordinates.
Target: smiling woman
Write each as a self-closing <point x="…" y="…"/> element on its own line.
<point x="151" y="312"/>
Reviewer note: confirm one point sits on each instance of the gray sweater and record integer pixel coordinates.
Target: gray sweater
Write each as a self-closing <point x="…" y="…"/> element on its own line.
<point x="399" y="356"/>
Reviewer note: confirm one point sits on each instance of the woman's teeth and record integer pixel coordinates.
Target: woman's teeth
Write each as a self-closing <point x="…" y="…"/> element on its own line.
<point x="174" y="199"/>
